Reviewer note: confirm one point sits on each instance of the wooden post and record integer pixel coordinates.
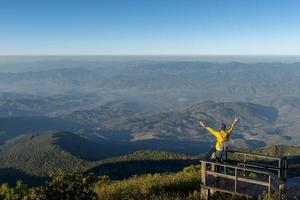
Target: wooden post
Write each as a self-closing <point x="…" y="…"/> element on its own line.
<point x="205" y="193"/>
<point x="235" y="181"/>
<point x="269" y="188"/>
<point x="213" y="167"/>
<point x="280" y="174"/>
<point x="285" y="168"/>
<point x="203" y="173"/>
<point x="281" y="190"/>
<point x="244" y="164"/>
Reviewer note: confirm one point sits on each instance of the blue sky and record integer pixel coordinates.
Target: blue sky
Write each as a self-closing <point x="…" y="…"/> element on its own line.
<point x="156" y="27"/>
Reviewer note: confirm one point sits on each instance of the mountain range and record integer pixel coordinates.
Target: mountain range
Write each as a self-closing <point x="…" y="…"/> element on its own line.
<point x="160" y="85"/>
<point x="124" y="119"/>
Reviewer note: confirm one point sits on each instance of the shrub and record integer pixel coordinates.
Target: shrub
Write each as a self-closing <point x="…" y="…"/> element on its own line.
<point x="176" y="185"/>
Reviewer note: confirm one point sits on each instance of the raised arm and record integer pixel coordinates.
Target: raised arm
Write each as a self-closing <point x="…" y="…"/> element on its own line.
<point x="235" y="121"/>
<point x="212" y="131"/>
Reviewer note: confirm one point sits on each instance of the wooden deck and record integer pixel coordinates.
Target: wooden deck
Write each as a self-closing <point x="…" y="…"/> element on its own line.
<point x="293" y="188"/>
<point x="250" y="176"/>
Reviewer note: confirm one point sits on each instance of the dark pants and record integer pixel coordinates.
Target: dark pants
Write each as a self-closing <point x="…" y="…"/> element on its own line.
<point x="221" y="156"/>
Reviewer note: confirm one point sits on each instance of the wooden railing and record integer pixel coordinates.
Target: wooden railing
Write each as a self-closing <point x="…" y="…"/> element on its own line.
<point x="277" y="165"/>
<point x="247" y="177"/>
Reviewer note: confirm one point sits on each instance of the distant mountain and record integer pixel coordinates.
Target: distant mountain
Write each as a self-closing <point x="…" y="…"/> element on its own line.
<point x="23" y="106"/>
<point x="162" y="84"/>
<point x="110" y="112"/>
<point x="125" y="123"/>
<point x="288" y="116"/>
<point x="276" y="150"/>
<point x="13" y="126"/>
<point x="259" y="125"/>
<point x="151" y="101"/>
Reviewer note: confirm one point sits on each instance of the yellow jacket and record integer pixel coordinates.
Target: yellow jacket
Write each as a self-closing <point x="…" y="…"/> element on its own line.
<point x="221" y="135"/>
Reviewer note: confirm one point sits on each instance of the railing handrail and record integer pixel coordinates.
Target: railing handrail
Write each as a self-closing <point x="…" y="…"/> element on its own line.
<point x="272" y="182"/>
<point x="247" y="154"/>
<point x="257" y="182"/>
<point x="256" y="155"/>
<point x="244" y="168"/>
<point x="250" y="164"/>
<point x="236" y="167"/>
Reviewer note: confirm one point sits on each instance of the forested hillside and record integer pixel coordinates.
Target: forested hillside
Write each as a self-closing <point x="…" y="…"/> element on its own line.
<point x="260" y="125"/>
<point x="32" y="157"/>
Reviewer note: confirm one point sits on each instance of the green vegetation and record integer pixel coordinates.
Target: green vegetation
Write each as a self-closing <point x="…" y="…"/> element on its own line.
<point x="183" y="185"/>
<point x="143" y="162"/>
<point x="32" y="157"/>
<point x="276" y="150"/>
<point x="145" y="174"/>
<point x="151" y="155"/>
<point x="40" y="154"/>
<point x="62" y="186"/>
<point x="37" y="154"/>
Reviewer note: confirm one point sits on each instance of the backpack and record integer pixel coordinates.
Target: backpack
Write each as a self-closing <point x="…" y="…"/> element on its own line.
<point x="225" y="144"/>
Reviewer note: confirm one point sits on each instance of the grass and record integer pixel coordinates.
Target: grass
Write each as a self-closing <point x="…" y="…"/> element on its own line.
<point x="167" y="186"/>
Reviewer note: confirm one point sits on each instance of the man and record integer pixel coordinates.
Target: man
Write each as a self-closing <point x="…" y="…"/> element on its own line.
<point x="222" y="138"/>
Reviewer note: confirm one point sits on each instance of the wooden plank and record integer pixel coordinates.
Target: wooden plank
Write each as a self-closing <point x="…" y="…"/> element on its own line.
<point x="205" y="193"/>
<point x="226" y="191"/>
<point x="254" y="164"/>
<point x="246" y="180"/>
<point x="203" y="173"/>
<point x="274" y="170"/>
<point x="220" y="175"/>
<point x="269" y="187"/>
<point x="255" y="155"/>
<point x="256" y="182"/>
<point x="236" y="167"/>
<point x="235" y="180"/>
<point x="242" y="187"/>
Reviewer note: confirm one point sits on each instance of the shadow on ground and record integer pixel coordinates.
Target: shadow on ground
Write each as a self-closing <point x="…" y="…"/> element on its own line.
<point x="125" y="169"/>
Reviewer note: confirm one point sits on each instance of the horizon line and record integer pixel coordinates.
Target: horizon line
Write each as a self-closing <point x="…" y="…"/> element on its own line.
<point x="161" y="55"/>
